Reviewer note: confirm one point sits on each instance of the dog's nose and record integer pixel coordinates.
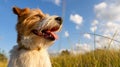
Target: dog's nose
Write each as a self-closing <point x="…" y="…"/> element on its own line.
<point x="59" y="19"/>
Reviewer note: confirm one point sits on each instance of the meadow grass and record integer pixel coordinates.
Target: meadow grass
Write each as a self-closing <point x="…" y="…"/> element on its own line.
<point x="3" y="60"/>
<point x="97" y="58"/>
<point x="3" y="64"/>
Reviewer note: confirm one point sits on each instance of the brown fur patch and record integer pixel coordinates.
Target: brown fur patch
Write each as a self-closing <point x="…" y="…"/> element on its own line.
<point x="21" y="12"/>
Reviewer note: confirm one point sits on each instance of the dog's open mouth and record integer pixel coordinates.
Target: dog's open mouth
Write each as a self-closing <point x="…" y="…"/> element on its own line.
<point x="47" y="33"/>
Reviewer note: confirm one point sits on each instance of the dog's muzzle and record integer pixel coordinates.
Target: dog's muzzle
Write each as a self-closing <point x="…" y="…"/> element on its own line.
<point x="49" y="33"/>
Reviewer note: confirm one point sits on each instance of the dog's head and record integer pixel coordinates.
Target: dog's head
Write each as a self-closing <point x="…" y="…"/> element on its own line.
<point x="36" y="26"/>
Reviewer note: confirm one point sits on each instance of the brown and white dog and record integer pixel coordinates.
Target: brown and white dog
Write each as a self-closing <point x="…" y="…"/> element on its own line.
<point x="36" y="32"/>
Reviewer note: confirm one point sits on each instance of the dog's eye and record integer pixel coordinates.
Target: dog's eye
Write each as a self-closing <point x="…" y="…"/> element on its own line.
<point x="38" y="16"/>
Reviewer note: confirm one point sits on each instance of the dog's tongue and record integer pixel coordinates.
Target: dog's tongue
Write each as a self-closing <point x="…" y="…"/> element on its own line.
<point x="53" y="34"/>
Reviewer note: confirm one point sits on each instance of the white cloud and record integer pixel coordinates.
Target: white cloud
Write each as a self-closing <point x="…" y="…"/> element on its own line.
<point x="108" y="11"/>
<point x="108" y="14"/>
<point x="57" y="2"/>
<point x="76" y="18"/>
<point x="104" y="43"/>
<point x="112" y="27"/>
<point x="82" y="48"/>
<point x="101" y="6"/>
<point x="86" y="35"/>
<point x="93" y="28"/>
<point x="66" y="34"/>
<point x="94" y="23"/>
<point x="79" y="48"/>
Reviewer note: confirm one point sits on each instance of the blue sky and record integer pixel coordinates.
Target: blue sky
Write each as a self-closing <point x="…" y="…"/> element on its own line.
<point x="80" y="17"/>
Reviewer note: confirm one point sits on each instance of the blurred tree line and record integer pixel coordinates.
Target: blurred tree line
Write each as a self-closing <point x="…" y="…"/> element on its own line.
<point x="2" y="55"/>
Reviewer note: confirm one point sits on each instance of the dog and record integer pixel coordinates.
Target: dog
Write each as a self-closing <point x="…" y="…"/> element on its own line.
<point x="36" y="32"/>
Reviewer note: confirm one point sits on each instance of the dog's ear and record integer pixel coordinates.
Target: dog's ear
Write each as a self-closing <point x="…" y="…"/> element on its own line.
<point x="21" y="12"/>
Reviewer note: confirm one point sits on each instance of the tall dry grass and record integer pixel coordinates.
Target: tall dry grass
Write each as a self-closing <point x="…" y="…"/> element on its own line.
<point x="3" y="64"/>
<point x="3" y="60"/>
<point x="97" y="58"/>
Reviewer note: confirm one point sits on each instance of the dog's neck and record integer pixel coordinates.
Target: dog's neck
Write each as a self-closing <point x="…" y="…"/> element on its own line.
<point x="21" y="46"/>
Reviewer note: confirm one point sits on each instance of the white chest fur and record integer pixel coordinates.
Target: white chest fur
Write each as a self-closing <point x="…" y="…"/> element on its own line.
<point x="29" y="58"/>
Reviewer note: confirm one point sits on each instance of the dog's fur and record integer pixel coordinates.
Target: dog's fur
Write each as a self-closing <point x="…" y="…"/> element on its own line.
<point x="35" y="34"/>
